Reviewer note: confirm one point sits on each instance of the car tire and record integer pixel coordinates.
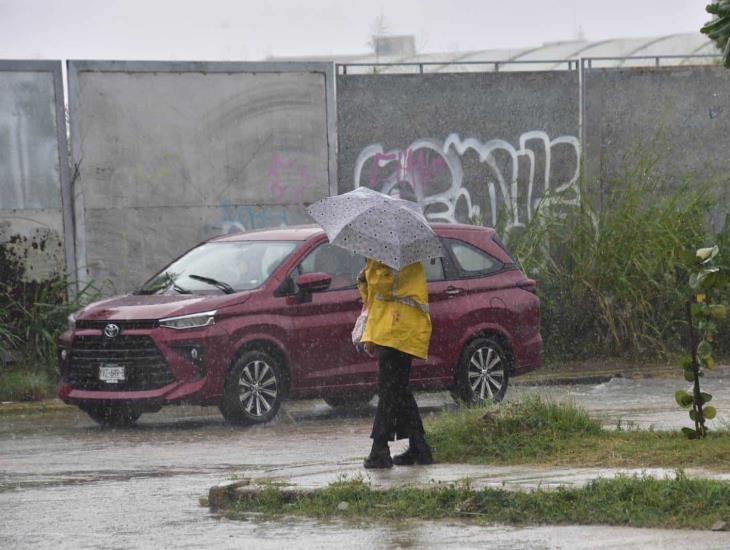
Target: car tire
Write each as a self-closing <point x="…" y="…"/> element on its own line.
<point x="254" y="389"/>
<point x="112" y="416"/>
<point x="349" y="401"/>
<point x="482" y="374"/>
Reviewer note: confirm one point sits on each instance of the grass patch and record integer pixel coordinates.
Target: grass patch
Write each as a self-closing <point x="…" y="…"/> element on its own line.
<point x="626" y="501"/>
<point x="23" y="385"/>
<point x="536" y="431"/>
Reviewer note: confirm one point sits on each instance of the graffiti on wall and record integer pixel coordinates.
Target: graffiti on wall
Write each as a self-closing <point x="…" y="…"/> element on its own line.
<point x="289" y="179"/>
<point x="462" y="180"/>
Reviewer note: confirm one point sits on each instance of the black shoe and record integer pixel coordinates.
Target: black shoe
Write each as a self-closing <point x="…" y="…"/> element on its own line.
<point x="419" y="451"/>
<point x="404" y="459"/>
<point x="379" y="459"/>
<point x="424" y="456"/>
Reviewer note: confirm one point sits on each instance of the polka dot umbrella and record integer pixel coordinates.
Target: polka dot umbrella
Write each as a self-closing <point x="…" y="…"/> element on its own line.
<point x="390" y="230"/>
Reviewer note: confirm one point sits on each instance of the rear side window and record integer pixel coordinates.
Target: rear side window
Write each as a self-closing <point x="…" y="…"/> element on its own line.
<point x="472" y="261"/>
<point x="500" y="244"/>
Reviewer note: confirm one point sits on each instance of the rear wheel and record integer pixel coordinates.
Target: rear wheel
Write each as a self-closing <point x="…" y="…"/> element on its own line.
<point x="112" y="415"/>
<point x="254" y="389"/>
<point x="349" y="401"/>
<point x="483" y="373"/>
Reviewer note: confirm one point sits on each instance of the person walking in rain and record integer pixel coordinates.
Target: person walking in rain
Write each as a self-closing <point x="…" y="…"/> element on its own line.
<point x="393" y="233"/>
<point x="398" y="328"/>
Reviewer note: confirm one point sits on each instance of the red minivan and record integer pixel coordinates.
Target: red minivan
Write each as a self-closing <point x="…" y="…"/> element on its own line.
<point x="244" y="321"/>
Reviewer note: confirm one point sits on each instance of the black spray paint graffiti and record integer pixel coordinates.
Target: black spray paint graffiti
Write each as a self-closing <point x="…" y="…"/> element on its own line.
<point x="463" y="180"/>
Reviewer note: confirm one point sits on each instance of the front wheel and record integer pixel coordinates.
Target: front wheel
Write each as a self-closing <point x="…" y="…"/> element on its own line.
<point x="482" y="374"/>
<point x="253" y="390"/>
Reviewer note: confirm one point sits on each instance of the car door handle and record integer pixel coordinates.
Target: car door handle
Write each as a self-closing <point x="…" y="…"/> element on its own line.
<point x="453" y="291"/>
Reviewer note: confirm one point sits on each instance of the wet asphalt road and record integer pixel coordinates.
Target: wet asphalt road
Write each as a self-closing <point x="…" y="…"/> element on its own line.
<point x="65" y="483"/>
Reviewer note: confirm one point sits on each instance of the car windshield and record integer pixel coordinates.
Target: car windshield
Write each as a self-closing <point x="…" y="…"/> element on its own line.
<point x="213" y="267"/>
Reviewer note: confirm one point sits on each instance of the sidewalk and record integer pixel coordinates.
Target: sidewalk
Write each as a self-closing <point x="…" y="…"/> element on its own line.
<point x="594" y="371"/>
<point x="306" y="479"/>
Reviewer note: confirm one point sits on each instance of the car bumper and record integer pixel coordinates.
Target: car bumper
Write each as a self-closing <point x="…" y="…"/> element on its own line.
<point x="159" y="368"/>
<point x="172" y="393"/>
<point x="530" y="356"/>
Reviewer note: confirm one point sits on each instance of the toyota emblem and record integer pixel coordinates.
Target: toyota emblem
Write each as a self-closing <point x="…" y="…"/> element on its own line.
<point x="111" y="330"/>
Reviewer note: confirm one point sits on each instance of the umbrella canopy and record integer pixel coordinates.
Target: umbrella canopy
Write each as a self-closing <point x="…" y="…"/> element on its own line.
<point x="390" y="230"/>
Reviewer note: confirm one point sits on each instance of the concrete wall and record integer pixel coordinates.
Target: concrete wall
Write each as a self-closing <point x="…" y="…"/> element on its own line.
<point x="33" y="166"/>
<point x="474" y="147"/>
<point x="171" y="154"/>
<point x="679" y="115"/>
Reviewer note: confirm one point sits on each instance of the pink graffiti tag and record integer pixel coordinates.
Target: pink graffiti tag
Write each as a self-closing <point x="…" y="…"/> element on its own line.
<point x="411" y="165"/>
<point x="304" y="180"/>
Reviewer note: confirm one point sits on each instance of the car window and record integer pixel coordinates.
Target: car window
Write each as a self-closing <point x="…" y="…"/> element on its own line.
<point x="434" y="269"/>
<point x="500" y="244"/>
<point x="471" y="260"/>
<point x="244" y="265"/>
<point x="343" y="266"/>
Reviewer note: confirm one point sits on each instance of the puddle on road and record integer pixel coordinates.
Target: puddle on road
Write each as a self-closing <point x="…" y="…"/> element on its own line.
<point x="64" y="477"/>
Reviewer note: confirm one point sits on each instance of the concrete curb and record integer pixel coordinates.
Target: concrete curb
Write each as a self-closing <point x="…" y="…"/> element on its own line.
<point x="538" y="378"/>
<point x="34" y="407"/>
<point x="592" y="376"/>
<point x="521" y="478"/>
<point x="531" y="379"/>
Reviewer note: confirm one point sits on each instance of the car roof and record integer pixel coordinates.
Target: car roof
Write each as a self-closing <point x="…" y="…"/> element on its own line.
<point x="304" y="232"/>
<point x="288" y="233"/>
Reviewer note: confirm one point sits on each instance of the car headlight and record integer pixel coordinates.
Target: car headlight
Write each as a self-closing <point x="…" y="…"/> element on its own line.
<point x="72" y="322"/>
<point x="194" y="320"/>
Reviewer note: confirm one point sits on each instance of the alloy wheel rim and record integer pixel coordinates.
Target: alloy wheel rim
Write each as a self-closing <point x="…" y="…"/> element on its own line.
<point x="486" y="373"/>
<point x="258" y="389"/>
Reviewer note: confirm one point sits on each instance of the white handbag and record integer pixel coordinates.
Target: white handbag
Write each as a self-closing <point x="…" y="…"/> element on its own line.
<point x="359" y="329"/>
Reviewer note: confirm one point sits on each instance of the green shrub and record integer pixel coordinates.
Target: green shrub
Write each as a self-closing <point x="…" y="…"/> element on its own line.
<point x="23" y="385"/>
<point x="611" y="279"/>
<point x="34" y="313"/>
<point x="38" y="313"/>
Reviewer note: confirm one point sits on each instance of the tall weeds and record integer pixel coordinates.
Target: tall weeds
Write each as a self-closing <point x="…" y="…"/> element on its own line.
<point x="39" y="313"/>
<point x="32" y="315"/>
<point x="611" y="273"/>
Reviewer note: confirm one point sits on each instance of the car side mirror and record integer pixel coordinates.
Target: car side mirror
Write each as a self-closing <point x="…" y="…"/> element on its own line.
<point x="314" y="282"/>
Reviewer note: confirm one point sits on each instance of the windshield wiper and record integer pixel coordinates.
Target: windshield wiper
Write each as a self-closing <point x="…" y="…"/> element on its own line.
<point x="225" y="287"/>
<point x="168" y="282"/>
<point x="180" y="290"/>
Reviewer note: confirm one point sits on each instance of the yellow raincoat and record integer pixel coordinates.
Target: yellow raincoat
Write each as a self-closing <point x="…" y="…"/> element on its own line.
<point x="397" y="304"/>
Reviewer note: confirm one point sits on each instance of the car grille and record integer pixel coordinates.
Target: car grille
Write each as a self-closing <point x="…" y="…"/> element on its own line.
<point x="143" y="323"/>
<point x="144" y="366"/>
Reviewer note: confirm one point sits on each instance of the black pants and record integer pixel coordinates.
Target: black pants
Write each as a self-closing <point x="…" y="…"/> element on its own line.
<point x="397" y="416"/>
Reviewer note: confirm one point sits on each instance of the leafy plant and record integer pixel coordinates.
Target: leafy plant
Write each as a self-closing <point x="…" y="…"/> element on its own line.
<point x="33" y="314"/>
<point x="707" y="280"/>
<point x="719" y="28"/>
<point x="610" y="271"/>
<point x="22" y="385"/>
<point x="8" y="340"/>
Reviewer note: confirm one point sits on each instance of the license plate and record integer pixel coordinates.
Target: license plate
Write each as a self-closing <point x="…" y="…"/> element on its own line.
<point x="111" y="374"/>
